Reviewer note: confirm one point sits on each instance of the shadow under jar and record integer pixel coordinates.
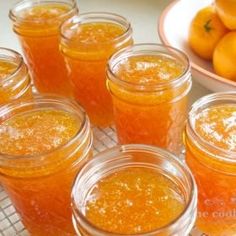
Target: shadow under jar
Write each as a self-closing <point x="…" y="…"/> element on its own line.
<point x="87" y="41"/>
<point x="134" y="190"/>
<point x="149" y="84"/>
<point x="14" y="78"/>
<point x="211" y="155"/>
<point x="44" y="143"/>
<point x="36" y="22"/>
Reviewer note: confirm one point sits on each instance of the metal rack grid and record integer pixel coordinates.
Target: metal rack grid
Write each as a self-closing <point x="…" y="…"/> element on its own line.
<point x="10" y="223"/>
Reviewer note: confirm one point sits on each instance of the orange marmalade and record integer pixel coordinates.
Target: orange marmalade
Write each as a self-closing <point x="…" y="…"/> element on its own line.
<point x="133" y="201"/>
<point x="87" y="42"/>
<point x="7" y="68"/>
<point x="131" y="191"/>
<point x="211" y="155"/>
<point x="42" y="148"/>
<point x="14" y="78"/>
<point x="149" y="86"/>
<point x="37" y="25"/>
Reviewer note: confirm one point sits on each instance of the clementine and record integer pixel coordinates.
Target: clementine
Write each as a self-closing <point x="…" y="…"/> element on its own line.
<point x="226" y="10"/>
<point x="224" y="56"/>
<point x="205" y="31"/>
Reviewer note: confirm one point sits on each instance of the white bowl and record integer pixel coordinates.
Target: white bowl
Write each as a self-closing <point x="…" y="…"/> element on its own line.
<point x="173" y="30"/>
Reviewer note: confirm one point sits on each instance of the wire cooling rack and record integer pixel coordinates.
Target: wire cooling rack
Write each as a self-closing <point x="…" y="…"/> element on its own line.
<point x="10" y="223"/>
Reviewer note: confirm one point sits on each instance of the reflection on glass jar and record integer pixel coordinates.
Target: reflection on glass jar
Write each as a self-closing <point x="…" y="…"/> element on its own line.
<point x="44" y="143"/>
<point x="211" y="155"/>
<point x="149" y="84"/>
<point x="14" y="78"/>
<point x="87" y="41"/>
<point x="134" y="190"/>
<point x="36" y="22"/>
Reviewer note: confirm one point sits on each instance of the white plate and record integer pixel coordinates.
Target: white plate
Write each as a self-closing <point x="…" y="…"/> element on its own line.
<point x="173" y="30"/>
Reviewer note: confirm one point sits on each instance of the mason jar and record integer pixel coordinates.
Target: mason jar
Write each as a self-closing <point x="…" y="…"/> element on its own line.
<point x="134" y="190"/>
<point x="87" y="41"/>
<point x="36" y="23"/>
<point x="211" y="155"/>
<point x="15" y="81"/>
<point x="149" y="85"/>
<point x="44" y="143"/>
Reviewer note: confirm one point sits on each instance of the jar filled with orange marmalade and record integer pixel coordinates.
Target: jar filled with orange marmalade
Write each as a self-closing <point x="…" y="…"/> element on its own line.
<point x="14" y="78"/>
<point x="211" y="155"/>
<point x="134" y="190"/>
<point x="87" y="41"/>
<point x="44" y="143"/>
<point x="149" y="84"/>
<point x="36" y="22"/>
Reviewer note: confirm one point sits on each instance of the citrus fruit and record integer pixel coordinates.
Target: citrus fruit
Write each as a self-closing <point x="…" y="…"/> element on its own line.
<point x="205" y="31"/>
<point x="226" y="10"/>
<point x="224" y="56"/>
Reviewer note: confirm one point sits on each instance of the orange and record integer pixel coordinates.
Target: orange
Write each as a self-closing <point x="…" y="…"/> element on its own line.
<point x="226" y="10"/>
<point x="205" y="31"/>
<point x="224" y="57"/>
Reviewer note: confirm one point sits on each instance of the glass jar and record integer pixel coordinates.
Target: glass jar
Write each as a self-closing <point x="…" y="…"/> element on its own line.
<point x="101" y="178"/>
<point x="37" y="168"/>
<point x="211" y="155"/>
<point x="87" y="41"/>
<point x="36" y="22"/>
<point x="15" y="81"/>
<point x="149" y="84"/>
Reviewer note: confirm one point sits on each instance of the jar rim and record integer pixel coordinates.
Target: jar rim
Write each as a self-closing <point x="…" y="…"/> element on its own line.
<point x="96" y="17"/>
<point x="24" y="4"/>
<point x="6" y="52"/>
<point x="203" y="103"/>
<point x="148" y="49"/>
<point x="191" y="203"/>
<point x="44" y="99"/>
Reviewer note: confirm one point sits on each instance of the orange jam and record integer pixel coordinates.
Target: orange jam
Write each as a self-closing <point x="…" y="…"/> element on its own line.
<point x="41" y="151"/>
<point x="211" y="155"/>
<point x="14" y="78"/>
<point x="37" y="132"/>
<point x="134" y="201"/>
<point x="134" y="190"/>
<point x="37" y="25"/>
<point x="7" y="68"/>
<point x="87" y="43"/>
<point x="149" y="97"/>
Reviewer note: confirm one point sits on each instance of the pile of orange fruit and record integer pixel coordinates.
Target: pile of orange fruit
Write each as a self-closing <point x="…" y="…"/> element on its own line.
<point x="212" y="36"/>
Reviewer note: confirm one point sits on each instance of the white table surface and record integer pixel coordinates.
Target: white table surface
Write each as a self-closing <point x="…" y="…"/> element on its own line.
<point x="143" y="15"/>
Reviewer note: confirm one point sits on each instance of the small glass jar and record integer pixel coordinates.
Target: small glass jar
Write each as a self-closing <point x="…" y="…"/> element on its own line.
<point x="15" y="81"/>
<point x="39" y="185"/>
<point x="36" y="23"/>
<point x="149" y="84"/>
<point x="127" y="158"/>
<point x="212" y="160"/>
<point x="87" y="41"/>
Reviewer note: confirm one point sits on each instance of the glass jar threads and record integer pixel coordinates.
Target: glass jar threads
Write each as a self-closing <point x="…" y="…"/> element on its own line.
<point x="87" y="41"/>
<point x="15" y="82"/>
<point x="134" y="190"/>
<point x="149" y="84"/>
<point x="36" y="22"/>
<point x="44" y="143"/>
<point x="211" y="155"/>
